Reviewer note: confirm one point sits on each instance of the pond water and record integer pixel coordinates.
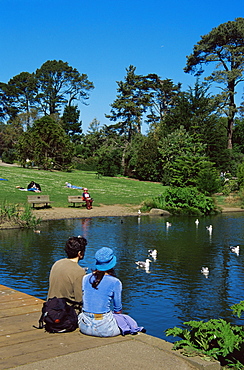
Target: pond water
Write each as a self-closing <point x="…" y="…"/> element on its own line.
<point x="173" y="291"/>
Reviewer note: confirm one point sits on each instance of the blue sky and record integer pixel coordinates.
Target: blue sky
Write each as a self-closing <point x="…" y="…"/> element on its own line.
<point x="102" y="38"/>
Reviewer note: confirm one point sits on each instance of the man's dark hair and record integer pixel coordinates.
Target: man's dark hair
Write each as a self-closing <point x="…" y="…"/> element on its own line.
<point x="74" y="245"/>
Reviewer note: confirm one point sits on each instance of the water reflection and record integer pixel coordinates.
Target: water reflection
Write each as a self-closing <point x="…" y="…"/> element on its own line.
<point x="172" y="290"/>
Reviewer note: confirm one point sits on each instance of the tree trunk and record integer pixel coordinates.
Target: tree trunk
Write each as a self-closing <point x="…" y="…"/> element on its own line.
<point x="231" y="113"/>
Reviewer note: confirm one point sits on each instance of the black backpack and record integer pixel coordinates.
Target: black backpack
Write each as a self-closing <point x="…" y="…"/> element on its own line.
<point x="57" y="316"/>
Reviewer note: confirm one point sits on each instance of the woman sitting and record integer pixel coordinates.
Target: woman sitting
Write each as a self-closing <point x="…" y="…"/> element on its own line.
<point x="87" y="198"/>
<point x="100" y="289"/>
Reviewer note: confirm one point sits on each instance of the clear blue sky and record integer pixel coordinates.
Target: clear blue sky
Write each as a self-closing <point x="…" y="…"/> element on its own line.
<point x="102" y="38"/>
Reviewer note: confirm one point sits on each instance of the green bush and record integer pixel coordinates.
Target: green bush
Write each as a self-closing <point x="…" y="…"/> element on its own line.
<point x="9" y="156"/>
<point x="185" y="201"/>
<point x="109" y="163"/>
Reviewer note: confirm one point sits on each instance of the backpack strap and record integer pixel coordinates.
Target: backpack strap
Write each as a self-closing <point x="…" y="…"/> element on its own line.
<point x="75" y="304"/>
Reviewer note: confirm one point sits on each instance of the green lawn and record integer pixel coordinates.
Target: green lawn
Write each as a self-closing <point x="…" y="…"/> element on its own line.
<point x="104" y="190"/>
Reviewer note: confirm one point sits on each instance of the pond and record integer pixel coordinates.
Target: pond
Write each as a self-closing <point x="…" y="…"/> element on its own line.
<point x="172" y="291"/>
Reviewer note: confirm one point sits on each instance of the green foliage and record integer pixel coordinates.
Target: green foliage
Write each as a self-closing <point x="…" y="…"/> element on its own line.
<point x="14" y="214"/>
<point x="9" y="156"/>
<point x="109" y="162"/>
<point x="71" y="124"/>
<point x="60" y="84"/>
<point x="224" y="47"/>
<point x="89" y="164"/>
<point x="47" y="145"/>
<point x="208" y="180"/>
<point x="182" y="158"/>
<point x="240" y="175"/>
<point x="238" y="308"/>
<point x="215" y="338"/>
<point x="148" y="165"/>
<point x="185" y="201"/>
<point x="130" y="104"/>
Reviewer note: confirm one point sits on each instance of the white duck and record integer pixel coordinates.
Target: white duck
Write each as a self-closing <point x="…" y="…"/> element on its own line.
<point x="197" y="222"/>
<point x="168" y="224"/>
<point x="235" y="249"/>
<point x="205" y="271"/>
<point x="153" y="253"/>
<point x="209" y="228"/>
<point x="143" y="264"/>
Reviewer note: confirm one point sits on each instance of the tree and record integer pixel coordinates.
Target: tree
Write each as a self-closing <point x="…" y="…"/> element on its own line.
<point x="130" y="104"/>
<point x="18" y="94"/>
<point x="182" y="158"/>
<point x="223" y="46"/>
<point x="71" y="123"/>
<point x="59" y="84"/>
<point x="163" y="95"/>
<point x="47" y="145"/>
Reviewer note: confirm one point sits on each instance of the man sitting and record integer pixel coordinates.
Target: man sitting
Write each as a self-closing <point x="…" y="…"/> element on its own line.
<point x="65" y="279"/>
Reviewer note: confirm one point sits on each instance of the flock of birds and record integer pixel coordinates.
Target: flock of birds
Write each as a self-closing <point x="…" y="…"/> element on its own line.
<point x="153" y="252"/>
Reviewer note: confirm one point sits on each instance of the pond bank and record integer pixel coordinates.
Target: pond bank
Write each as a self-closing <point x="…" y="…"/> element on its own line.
<point x="59" y="213"/>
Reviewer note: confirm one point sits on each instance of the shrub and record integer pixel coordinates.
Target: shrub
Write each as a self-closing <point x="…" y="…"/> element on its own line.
<point x="9" y="156"/>
<point x="185" y="201"/>
<point x="109" y="163"/>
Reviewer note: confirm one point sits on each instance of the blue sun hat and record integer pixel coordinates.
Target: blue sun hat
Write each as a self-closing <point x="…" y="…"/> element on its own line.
<point x="105" y="259"/>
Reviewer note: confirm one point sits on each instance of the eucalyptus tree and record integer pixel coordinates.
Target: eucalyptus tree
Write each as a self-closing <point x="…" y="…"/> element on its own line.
<point x="223" y="46"/>
<point x="60" y="84"/>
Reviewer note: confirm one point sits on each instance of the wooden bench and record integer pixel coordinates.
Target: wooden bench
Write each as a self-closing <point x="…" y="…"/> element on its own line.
<point x="38" y="199"/>
<point x="76" y="199"/>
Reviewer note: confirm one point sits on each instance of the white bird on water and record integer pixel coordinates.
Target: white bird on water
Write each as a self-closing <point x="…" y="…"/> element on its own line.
<point x="143" y="264"/>
<point x="197" y="222"/>
<point x="209" y="228"/>
<point x="205" y="271"/>
<point x="153" y="253"/>
<point x="235" y="249"/>
<point x="139" y="212"/>
<point x="168" y="224"/>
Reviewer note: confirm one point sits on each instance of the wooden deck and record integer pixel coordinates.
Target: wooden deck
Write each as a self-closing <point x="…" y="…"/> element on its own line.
<point x="33" y="349"/>
<point x="22" y="344"/>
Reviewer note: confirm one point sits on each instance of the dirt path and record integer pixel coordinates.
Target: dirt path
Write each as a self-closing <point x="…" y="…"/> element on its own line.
<point x="79" y="212"/>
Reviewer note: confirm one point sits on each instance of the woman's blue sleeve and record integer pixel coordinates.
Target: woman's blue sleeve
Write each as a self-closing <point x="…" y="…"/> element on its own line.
<point x="117" y="296"/>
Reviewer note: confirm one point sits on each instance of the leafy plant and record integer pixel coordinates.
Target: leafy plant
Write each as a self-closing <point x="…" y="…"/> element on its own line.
<point x="216" y="338"/>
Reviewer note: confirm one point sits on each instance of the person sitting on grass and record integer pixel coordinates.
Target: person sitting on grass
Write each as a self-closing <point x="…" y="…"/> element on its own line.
<point x="33" y="186"/>
<point x="87" y="198"/>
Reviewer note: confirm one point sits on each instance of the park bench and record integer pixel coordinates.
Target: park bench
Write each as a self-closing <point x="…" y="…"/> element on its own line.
<point x="76" y="199"/>
<point x="38" y="199"/>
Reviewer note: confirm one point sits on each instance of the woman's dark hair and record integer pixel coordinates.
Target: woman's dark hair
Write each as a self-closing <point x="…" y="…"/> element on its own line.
<point x="97" y="277"/>
<point x="74" y="245"/>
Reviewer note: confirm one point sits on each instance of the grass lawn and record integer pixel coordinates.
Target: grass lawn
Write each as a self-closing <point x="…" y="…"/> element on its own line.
<point x="104" y="190"/>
